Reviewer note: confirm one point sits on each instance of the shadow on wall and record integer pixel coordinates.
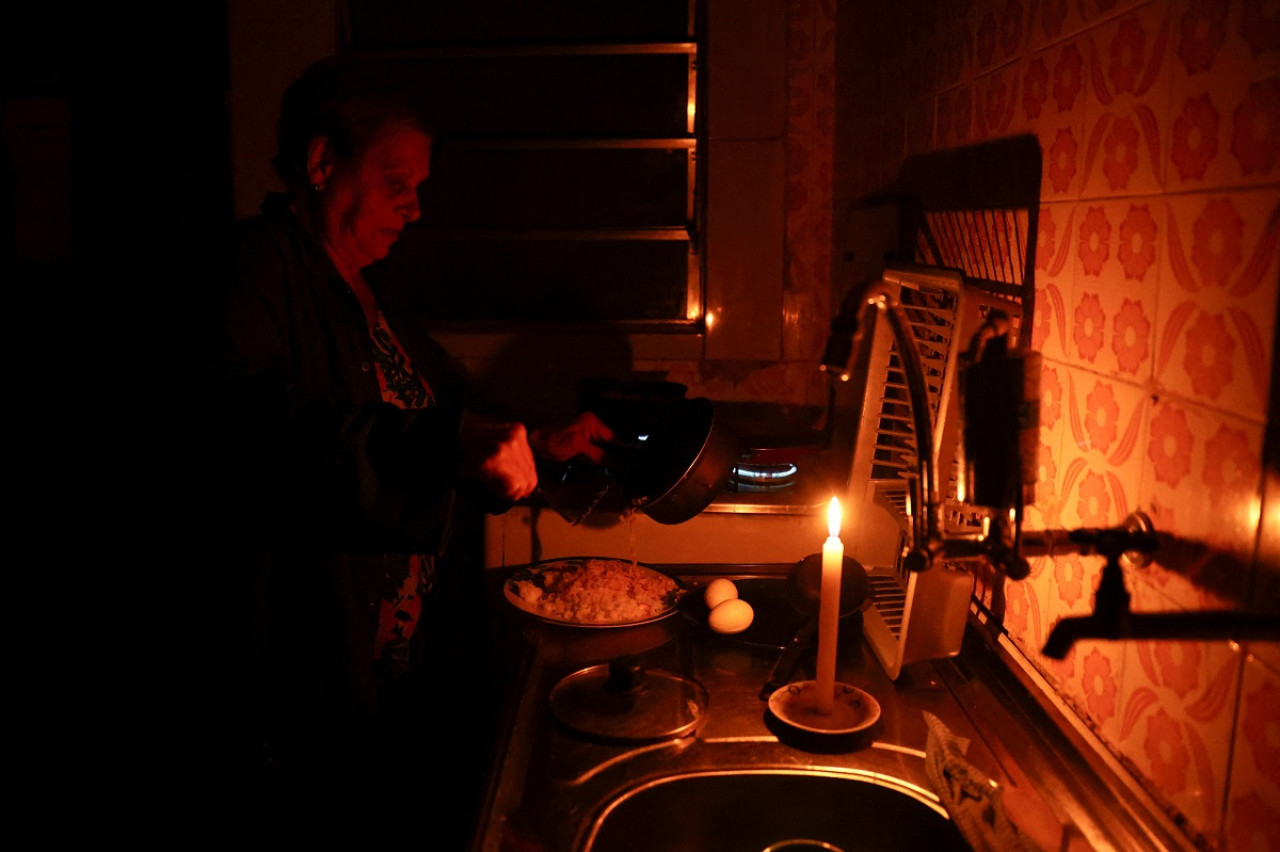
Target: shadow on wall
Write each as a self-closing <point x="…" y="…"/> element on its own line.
<point x="539" y="378"/>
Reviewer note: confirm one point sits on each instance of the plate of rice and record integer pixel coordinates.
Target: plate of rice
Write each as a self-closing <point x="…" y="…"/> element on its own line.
<point x="594" y="591"/>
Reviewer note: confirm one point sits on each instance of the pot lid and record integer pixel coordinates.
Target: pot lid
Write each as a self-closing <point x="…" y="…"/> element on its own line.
<point x="621" y="700"/>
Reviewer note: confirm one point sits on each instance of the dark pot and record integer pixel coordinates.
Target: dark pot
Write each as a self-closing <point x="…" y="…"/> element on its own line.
<point x="679" y="468"/>
<point x="670" y="458"/>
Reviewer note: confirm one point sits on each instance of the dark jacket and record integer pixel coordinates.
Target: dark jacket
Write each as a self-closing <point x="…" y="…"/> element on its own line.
<point x="328" y="488"/>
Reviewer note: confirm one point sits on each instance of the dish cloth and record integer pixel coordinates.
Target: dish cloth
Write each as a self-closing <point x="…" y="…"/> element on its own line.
<point x="974" y="801"/>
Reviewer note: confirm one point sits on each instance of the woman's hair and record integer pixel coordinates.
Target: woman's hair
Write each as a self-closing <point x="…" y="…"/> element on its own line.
<point x="346" y="99"/>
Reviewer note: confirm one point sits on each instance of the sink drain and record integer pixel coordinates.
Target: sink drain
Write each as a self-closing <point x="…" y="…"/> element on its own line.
<point x="801" y="845"/>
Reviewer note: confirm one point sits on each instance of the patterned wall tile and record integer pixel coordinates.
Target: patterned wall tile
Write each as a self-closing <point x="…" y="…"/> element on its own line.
<point x="1046" y="510"/>
<point x="997" y="95"/>
<point x="1101" y="464"/>
<point x="1026" y="620"/>
<point x="1125" y="104"/>
<point x="1177" y="710"/>
<point x="1053" y="20"/>
<point x="1253" y="798"/>
<point x="1053" y="103"/>
<point x="1224" y="109"/>
<point x="1195" y="457"/>
<point x="1157" y="275"/>
<point x="1056" y="250"/>
<point x="1112" y="305"/>
<point x="1216" y="319"/>
<point x="1090" y="674"/>
<point x="1001" y="30"/>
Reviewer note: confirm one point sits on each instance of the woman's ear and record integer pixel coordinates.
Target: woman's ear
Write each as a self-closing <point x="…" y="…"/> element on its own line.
<point x="319" y="161"/>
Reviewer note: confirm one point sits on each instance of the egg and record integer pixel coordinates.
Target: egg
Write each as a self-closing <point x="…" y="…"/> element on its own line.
<point x="731" y="616"/>
<point x="718" y="591"/>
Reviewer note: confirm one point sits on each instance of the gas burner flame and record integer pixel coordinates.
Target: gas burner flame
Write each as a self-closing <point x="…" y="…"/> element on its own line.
<point x="765" y="474"/>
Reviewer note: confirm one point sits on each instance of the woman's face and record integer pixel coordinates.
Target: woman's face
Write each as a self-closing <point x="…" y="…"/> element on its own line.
<point x="369" y="200"/>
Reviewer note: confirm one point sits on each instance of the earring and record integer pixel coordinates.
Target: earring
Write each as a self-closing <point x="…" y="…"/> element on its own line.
<point x="315" y="187"/>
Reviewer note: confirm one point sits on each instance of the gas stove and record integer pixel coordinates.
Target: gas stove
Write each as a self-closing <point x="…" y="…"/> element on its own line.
<point x="797" y="481"/>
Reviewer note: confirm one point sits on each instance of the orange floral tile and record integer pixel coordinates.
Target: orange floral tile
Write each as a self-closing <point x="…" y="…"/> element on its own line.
<point x="1000" y="33"/>
<point x="1184" y="588"/>
<point x="1053" y="103"/>
<point x="1046" y="510"/>
<point x="1065" y="588"/>
<point x="1026" y="618"/>
<point x="1055" y="272"/>
<point x="1180" y="743"/>
<point x="1128" y="88"/>
<point x="996" y="99"/>
<point x="1096" y="688"/>
<point x="1224" y="109"/>
<point x="1157" y="275"/>
<point x="1177" y="709"/>
<point x="1052" y="21"/>
<point x="1074" y="582"/>
<point x="1195" y="457"/>
<point x="1101" y="469"/>
<point x="1216" y="321"/>
<point x="1112" y="306"/>
<point x="1253" y="798"/>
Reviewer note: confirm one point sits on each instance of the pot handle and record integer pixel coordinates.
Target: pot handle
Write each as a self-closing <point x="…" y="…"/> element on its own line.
<point x="572" y="488"/>
<point x="790" y="656"/>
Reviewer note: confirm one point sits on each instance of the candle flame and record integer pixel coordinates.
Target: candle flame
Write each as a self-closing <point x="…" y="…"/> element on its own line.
<point x="833" y="517"/>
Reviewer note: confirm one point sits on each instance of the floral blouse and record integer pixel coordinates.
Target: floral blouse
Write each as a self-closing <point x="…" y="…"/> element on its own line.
<point x="398" y="616"/>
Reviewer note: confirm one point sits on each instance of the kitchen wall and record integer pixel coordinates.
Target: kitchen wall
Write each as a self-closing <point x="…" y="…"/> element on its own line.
<point x="1156" y="300"/>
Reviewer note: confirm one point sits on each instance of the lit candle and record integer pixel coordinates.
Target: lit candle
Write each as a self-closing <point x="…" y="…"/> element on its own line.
<point x="829" y="611"/>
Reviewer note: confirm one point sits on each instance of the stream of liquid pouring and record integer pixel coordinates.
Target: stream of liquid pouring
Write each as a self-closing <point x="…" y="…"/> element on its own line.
<point x="630" y="514"/>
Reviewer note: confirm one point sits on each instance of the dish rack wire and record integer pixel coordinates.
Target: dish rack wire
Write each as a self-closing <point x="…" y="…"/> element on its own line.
<point x="966" y="226"/>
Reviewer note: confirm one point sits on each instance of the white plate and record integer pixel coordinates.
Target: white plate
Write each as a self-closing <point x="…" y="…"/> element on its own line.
<point x="852" y="709"/>
<point x="553" y="573"/>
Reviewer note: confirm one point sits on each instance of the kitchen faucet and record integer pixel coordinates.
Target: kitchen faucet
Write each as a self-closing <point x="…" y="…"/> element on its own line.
<point x="1000" y="391"/>
<point x="1000" y="543"/>
<point x="847" y="331"/>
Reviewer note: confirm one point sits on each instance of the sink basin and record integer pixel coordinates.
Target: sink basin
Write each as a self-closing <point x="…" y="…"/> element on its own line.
<point x="779" y="811"/>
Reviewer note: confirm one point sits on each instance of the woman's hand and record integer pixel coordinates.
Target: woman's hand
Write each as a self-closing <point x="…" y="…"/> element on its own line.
<point x="581" y="437"/>
<point x="498" y="454"/>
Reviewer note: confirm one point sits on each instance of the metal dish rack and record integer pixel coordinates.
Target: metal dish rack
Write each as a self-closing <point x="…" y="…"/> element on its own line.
<point x="967" y="221"/>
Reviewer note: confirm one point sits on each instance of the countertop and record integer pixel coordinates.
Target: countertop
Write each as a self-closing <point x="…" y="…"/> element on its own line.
<point x="549" y="785"/>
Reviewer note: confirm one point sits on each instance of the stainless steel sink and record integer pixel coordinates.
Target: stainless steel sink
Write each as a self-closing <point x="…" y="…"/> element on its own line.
<point x="775" y="810"/>
<point x="741" y="782"/>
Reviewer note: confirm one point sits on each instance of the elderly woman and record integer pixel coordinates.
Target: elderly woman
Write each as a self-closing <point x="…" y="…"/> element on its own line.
<point x="347" y="445"/>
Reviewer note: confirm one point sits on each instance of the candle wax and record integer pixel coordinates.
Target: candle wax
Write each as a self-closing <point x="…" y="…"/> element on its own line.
<point x="828" y="623"/>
